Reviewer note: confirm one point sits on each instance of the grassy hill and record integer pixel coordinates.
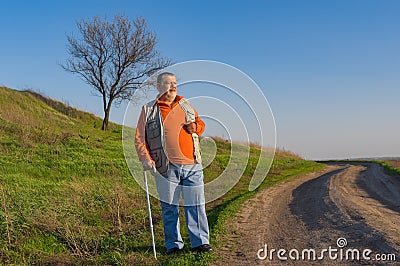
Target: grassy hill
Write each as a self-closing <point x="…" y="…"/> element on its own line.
<point x="67" y="196"/>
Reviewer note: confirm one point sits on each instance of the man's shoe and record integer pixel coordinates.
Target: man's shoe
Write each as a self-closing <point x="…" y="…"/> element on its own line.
<point x="203" y="248"/>
<point x="171" y="251"/>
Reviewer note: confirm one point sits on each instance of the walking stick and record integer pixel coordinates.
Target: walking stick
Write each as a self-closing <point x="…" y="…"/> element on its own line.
<point x="148" y="206"/>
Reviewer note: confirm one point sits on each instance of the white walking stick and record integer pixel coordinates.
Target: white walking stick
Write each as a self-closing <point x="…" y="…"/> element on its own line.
<point x="148" y="206"/>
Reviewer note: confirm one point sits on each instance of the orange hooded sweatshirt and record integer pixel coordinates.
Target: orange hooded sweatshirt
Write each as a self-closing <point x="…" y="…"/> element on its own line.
<point x="178" y="143"/>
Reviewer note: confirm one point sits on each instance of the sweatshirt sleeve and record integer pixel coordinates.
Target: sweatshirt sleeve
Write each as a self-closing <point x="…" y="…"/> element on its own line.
<point x="200" y="126"/>
<point x="140" y="138"/>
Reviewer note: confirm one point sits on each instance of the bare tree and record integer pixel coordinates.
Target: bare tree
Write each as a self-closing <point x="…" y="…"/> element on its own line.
<point x="115" y="58"/>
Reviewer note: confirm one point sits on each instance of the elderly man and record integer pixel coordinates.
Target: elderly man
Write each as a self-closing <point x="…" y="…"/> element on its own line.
<point x="167" y="140"/>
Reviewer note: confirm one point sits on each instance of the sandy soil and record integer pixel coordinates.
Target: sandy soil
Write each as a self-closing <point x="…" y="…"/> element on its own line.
<point x="358" y="202"/>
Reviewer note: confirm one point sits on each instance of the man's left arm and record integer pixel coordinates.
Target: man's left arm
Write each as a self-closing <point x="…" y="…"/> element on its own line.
<point x="197" y="126"/>
<point x="200" y="126"/>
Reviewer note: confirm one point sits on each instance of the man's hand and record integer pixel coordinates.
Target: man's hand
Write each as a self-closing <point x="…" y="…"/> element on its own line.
<point x="190" y="127"/>
<point x="148" y="165"/>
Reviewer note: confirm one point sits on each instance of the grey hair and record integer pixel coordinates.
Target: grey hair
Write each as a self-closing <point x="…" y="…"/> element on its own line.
<point x="160" y="76"/>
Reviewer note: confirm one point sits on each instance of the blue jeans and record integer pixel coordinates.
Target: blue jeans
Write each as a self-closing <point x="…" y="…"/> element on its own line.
<point x="189" y="180"/>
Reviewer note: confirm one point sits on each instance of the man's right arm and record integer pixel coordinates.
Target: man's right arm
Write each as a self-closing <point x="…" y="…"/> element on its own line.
<point x="140" y="143"/>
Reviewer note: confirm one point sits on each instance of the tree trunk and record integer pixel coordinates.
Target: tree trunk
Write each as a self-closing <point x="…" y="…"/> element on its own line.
<point x="104" y="126"/>
<point x="106" y="116"/>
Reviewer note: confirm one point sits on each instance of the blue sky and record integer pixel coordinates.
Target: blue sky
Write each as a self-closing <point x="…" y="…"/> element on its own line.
<point x="329" y="69"/>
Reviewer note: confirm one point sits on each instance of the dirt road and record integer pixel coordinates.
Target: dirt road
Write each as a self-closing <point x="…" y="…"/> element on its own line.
<point x="346" y="208"/>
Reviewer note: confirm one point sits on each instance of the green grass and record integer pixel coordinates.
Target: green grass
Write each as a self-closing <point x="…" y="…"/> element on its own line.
<point x="68" y="197"/>
<point x="392" y="167"/>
